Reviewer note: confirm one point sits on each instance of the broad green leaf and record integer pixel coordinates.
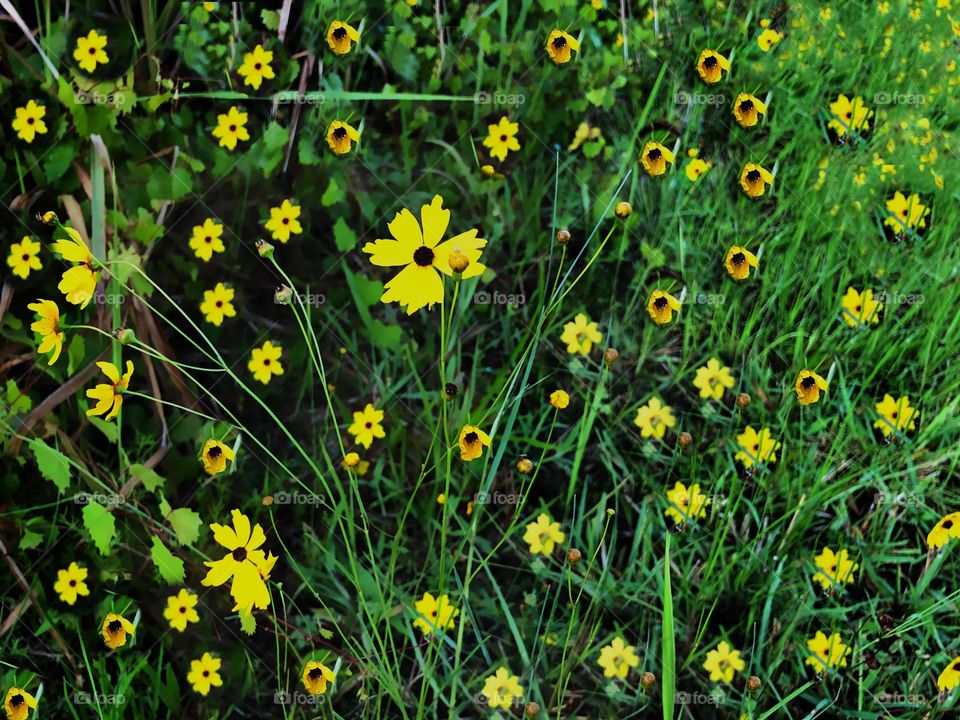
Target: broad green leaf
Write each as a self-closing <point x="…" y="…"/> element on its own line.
<point x="248" y="623"/>
<point x="16" y="400"/>
<point x="100" y="524"/>
<point x="150" y="479"/>
<point x="186" y="524"/>
<point x="333" y="194"/>
<point x="168" y="564"/>
<point x="53" y="464"/>
<point x="343" y="236"/>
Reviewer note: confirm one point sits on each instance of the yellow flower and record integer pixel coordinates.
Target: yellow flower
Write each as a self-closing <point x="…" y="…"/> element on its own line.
<point x="265" y="362"/>
<point x="561" y="45"/>
<point x="828" y="652"/>
<point x="366" y="425"/>
<point x="423" y="257"/>
<point x="109" y="396"/>
<point x="834" y="569"/>
<point x="768" y="38"/>
<point x="948" y="527"/>
<point x="284" y="221"/>
<point x="181" y="609"/>
<point x="895" y="415"/>
<point x="950" y="677"/>
<point x="747" y="109"/>
<point x="723" y="662"/>
<point x="654" y="418"/>
<point x="206" y="239"/>
<point x="115" y="629"/>
<point x="738" y="262"/>
<point x="661" y="306"/>
<point x="710" y="66"/>
<point x="434" y="614"/>
<point x="501" y="689"/>
<point x="583" y="133"/>
<point x="70" y="583"/>
<point x="501" y="138"/>
<point x="809" y="386"/>
<point x="543" y="535"/>
<point x="351" y="460"/>
<point x="341" y="136"/>
<point x="472" y="440"/>
<point x="580" y="335"/>
<point x="245" y="563"/>
<point x="654" y="158"/>
<point x="713" y="379"/>
<point x="695" y="168"/>
<point x="341" y="36"/>
<point x="906" y="213"/>
<point x="849" y="115"/>
<point x="316" y="676"/>
<point x="217" y="304"/>
<point x="48" y="327"/>
<point x="28" y="121"/>
<point x="756" y="447"/>
<point x="231" y="128"/>
<point x="17" y="704"/>
<point x="204" y="674"/>
<point x="754" y="180"/>
<point x="256" y="67"/>
<point x="78" y="283"/>
<point x="860" y="309"/>
<point x="91" y="51"/>
<point x="686" y="504"/>
<point x="617" y="658"/>
<point x="559" y="399"/>
<point x="215" y="456"/>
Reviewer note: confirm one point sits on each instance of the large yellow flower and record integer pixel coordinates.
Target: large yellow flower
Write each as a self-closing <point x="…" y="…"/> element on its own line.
<point x="808" y="387"/>
<point x="28" y="121"/>
<point x="341" y="136"/>
<point x="205" y="674"/>
<point x="747" y="109"/>
<point x="713" y="379"/>
<point x="947" y="528"/>
<point x="654" y="418"/>
<point x="316" y="676"/>
<point x="686" y="504"/>
<point x="617" y="659"/>
<point x="231" y="128"/>
<point x="109" y="396"/>
<point x="711" y="65"/>
<point x="48" y="327"/>
<point x="367" y="425"/>
<point x="284" y="221"/>
<point x="91" y="51"/>
<point x="423" y="257"/>
<point x="78" y="283"/>
<point x="543" y="535"/>
<point x="206" y="239"/>
<point x="18" y="703"/>
<point x="661" y="305"/>
<point x="756" y="447"/>
<point x="245" y="564"/>
<point x="860" y="309"/>
<point x="502" y="138"/>
<point x="738" y="262"/>
<point x="115" y="629"/>
<point x="502" y="689"/>
<point x="218" y="304"/>
<point x="265" y="362"/>
<point x="580" y="335"/>
<point x="834" y="569"/>
<point x="341" y="36"/>
<point x="723" y="662"/>
<point x="849" y="115"/>
<point x="256" y="67"/>
<point x="434" y="614"/>
<point x="905" y="213"/>
<point x="754" y="180"/>
<point x="472" y="440"/>
<point x="215" y="456"/>
<point x="654" y="157"/>
<point x="950" y="677"/>
<point x="561" y="45"/>
<point x="70" y="583"/>
<point x="896" y="415"/>
<point x="181" y="609"/>
<point x="828" y="652"/>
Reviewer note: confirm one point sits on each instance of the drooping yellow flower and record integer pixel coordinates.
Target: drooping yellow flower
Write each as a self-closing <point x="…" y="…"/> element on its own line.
<point x="654" y="418"/>
<point x="91" y="51"/>
<point x="543" y="535"/>
<point x="713" y="379"/>
<point x="204" y="674"/>
<point x="711" y="65"/>
<point x="265" y="362"/>
<point x="245" y="563"/>
<point x="738" y="262"/>
<point x="834" y="570"/>
<point x="316" y="676"/>
<point x="215" y="456"/>
<point x="654" y="157"/>
<point x="617" y="659"/>
<point x="502" y="138"/>
<point x="284" y="221"/>
<point x="946" y="528"/>
<point x="109" y="396"/>
<point x="559" y="399"/>
<point x="115" y="629"/>
<point x="686" y="504"/>
<point x="218" y="304"/>
<point x="367" y="426"/>
<point x="860" y="309"/>
<point x="723" y="663"/>
<point x="768" y="38"/>
<point x="561" y="46"/>
<point x="341" y="136"/>
<point x="28" y="121"/>
<point x="896" y="416"/>
<point x="747" y="109"/>
<point x="423" y="257"/>
<point x="70" y="583"/>
<point x="205" y="240"/>
<point x="905" y="213"/>
<point x="696" y="168"/>
<point x="502" y="689"/>
<point x="256" y="67"/>
<point x="434" y="614"/>
<point x="181" y="609"/>
<point x="849" y="116"/>
<point x="808" y="387"/>
<point x="48" y="327"/>
<point x="661" y="305"/>
<point x="78" y="283"/>
<point x="231" y="128"/>
<point x="950" y="677"/>
<point x="756" y="447"/>
<point x="754" y="180"/>
<point x="580" y="335"/>
<point x="18" y="703"/>
<point x="472" y="440"/>
<point x="828" y="652"/>
<point x="341" y="36"/>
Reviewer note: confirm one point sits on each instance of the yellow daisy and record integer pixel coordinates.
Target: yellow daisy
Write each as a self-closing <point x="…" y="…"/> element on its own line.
<point x="28" y="121"/>
<point x="265" y="362"/>
<point x="231" y="128"/>
<point x="284" y="221"/>
<point x="91" y="51"/>
<point x="218" y="304"/>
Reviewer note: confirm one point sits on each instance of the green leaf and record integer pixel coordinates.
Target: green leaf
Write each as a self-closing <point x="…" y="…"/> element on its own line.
<point x="333" y="194"/>
<point x="30" y="539"/>
<point x="16" y="400"/>
<point x="343" y="236"/>
<point x="168" y="564"/>
<point x="100" y="524"/>
<point x="76" y="352"/>
<point x="186" y="524"/>
<point x="53" y="464"/>
<point x="248" y="623"/>
<point x="57" y="161"/>
<point x="270" y="19"/>
<point x="150" y="479"/>
<point x="109" y="429"/>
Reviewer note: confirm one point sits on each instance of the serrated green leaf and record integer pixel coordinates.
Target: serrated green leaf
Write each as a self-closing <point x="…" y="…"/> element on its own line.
<point x="333" y="194"/>
<point x="101" y="525"/>
<point x="150" y="479"/>
<point x="343" y="236"/>
<point x="53" y="464"/>
<point x="16" y="400"/>
<point x="109" y="429"/>
<point x="248" y="623"/>
<point x="30" y="539"/>
<point x="168" y="564"/>
<point x="186" y="524"/>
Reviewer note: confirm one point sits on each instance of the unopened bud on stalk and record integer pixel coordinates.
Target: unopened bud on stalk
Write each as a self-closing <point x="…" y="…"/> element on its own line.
<point x="264" y="249"/>
<point x="124" y="336"/>
<point x="623" y="210"/>
<point x="525" y="465"/>
<point x="48" y="218"/>
<point x="753" y="683"/>
<point x="648" y="679"/>
<point x="458" y="261"/>
<point x="351" y="460"/>
<point x="563" y="236"/>
<point x="610" y="355"/>
<point x="449" y="391"/>
<point x="532" y="709"/>
<point x="685" y="439"/>
<point x="743" y="400"/>
<point x="282" y="295"/>
<point x="573" y="556"/>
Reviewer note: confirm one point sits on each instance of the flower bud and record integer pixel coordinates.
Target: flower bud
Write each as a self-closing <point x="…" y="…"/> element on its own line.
<point x="573" y="556"/>
<point x="563" y="236"/>
<point x="532" y="709"/>
<point x="458" y="261"/>
<point x="264" y="249"/>
<point x="525" y="465"/>
<point x="648" y="679"/>
<point x="48" y="218"/>
<point x="267" y="500"/>
<point x="685" y="439"/>
<point x="351" y="460"/>
<point x="282" y="295"/>
<point x="623" y="210"/>
<point x="124" y="336"/>
<point x="743" y="400"/>
<point x="753" y="683"/>
<point x="610" y="355"/>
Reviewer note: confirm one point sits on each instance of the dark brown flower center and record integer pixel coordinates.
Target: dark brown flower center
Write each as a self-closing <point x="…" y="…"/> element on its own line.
<point x="114" y="626"/>
<point x="25" y="257"/>
<point x="660" y="303"/>
<point x="208" y="239"/>
<point x="206" y="673"/>
<point x="503" y="138"/>
<point x="423" y="256"/>
<point x="16" y="700"/>
<point x="738" y="258"/>
<point x="73" y="583"/>
<point x="947" y="524"/>
<point x="710" y="62"/>
<point x="219" y="303"/>
<point x="655" y="154"/>
<point x="31" y="121"/>
<point x="315" y="674"/>
<point x="807" y="383"/>
<point x="753" y="176"/>
<point x="340" y="33"/>
<point x="214" y="452"/>
<point x="559" y="42"/>
<point x="233" y="128"/>
<point x="240" y="554"/>
<point x="257" y="66"/>
<point x="368" y="425"/>
<point x="470" y="438"/>
<point x="746" y="106"/>
<point x="183" y="610"/>
<point x="340" y="133"/>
